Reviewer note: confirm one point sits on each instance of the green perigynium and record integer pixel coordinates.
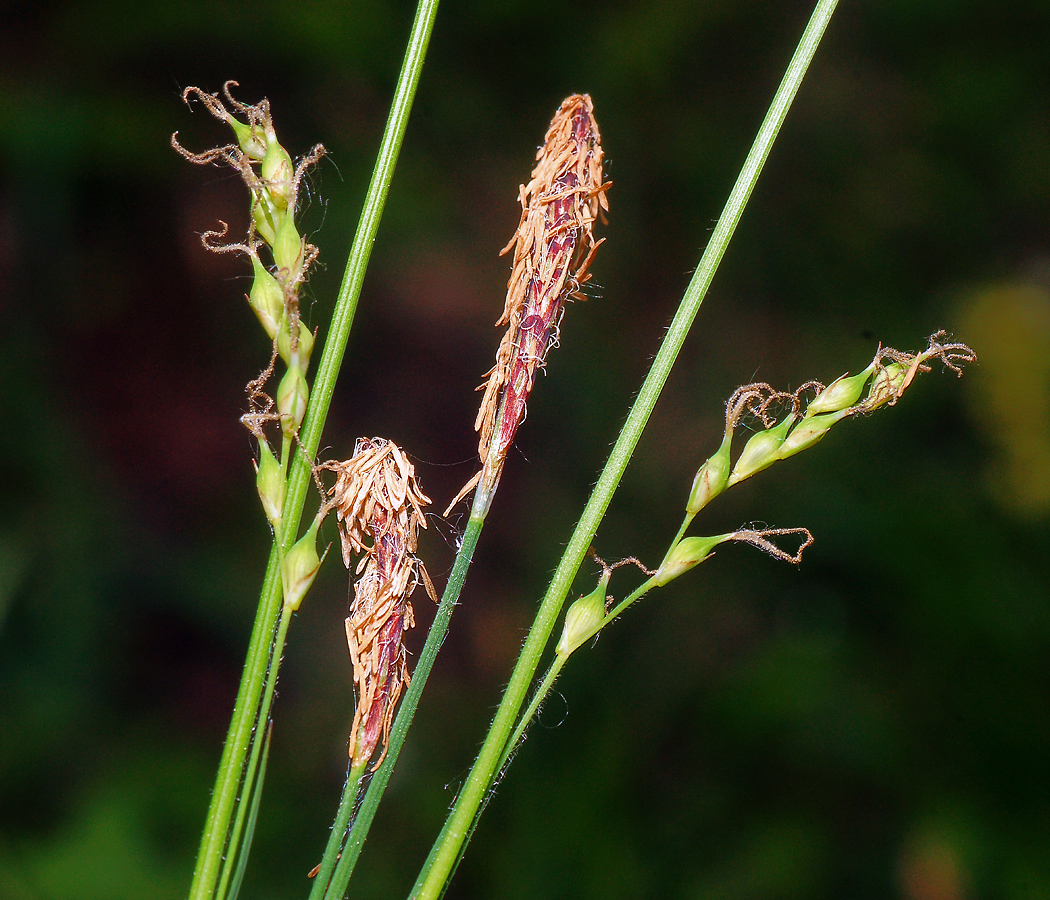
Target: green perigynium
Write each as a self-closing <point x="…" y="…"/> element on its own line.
<point x="288" y="249"/>
<point x="250" y="138"/>
<point x="584" y="618"/>
<point x="841" y="394"/>
<point x="303" y="351"/>
<point x="887" y="386"/>
<point x="808" y="432"/>
<point x="278" y="174"/>
<point x="300" y="567"/>
<point x="761" y="451"/>
<point x="269" y="480"/>
<point x="687" y="554"/>
<point x="712" y="477"/>
<point x="266" y="298"/>
<point x="293" y="393"/>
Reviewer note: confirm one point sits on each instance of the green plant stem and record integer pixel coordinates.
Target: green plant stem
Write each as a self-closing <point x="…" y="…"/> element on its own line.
<point x="237" y="852"/>
<point x="540" y="694"/>
<point x="686" y="522"/>
<point x="252" y="801"/>
<point x="435" y="637"/>
<point x="433" y="877"/>
<point x="260" y="649"/>
<point x="538" y="697"/>
<point x="339" y="827"/>
<point x="238" y="741"/>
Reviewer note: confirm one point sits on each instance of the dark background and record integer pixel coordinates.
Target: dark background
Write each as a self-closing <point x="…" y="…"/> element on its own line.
<point x="872" y="724"/>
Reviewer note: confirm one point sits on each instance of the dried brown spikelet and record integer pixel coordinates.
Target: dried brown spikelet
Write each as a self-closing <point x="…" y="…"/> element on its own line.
<point x="377" y="477"/>
<point x="379" y="505"/>
<point x="553" y="248"/>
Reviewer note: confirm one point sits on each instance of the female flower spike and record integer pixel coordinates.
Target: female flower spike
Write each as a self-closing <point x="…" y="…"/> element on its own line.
<point x="553" y="248"/>
<point x="380" y="508"/>
<point x="273" y="181"/>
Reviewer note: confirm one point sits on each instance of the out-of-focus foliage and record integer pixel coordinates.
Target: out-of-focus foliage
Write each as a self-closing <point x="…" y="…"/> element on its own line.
<point x="873" y="724"/>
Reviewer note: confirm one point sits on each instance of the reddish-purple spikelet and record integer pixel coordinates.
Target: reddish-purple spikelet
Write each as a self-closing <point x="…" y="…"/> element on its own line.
<point x="380" y="509"/>
<point x="553" y="248"/>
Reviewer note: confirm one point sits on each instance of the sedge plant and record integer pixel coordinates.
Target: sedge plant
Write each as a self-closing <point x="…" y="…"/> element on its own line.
<point x="379" y="503"/>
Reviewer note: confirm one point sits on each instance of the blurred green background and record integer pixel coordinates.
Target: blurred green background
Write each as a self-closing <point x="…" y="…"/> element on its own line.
<point x="872" y="724"/>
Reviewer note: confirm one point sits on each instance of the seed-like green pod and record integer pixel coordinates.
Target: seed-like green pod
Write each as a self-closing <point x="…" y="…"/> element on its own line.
<point x="251" y="141"/>
<point x="840" y="394"/>
<point x="306" y="345"/>
<point x="266" y="298"/>
<point x="584" y="618"/>
<point x="808" y="432"/>
<point x="761" y="451"/>
<point x="300" y="568"/>
<point x="712" y="477"/>
<point x="278" y="175"/>
<point x="886" y="385"/>
<point x="264" y="224"/>
<point x="288" y="246"/>
<point x="685" y="555"/>
<point x="292" y="396"/>
<point x="269" y="481"/>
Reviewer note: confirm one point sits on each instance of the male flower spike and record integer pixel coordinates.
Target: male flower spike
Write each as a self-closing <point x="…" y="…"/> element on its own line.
<point x="380" y="509"/>
<point x="553" y="248"/>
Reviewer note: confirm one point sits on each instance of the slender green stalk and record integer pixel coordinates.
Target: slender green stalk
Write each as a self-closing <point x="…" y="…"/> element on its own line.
<point x="538" y="697"/>
<point x="363" y="821"/>
<point x="238" y="741"/>
<point x="347" y="805"/>
<point x="540" y="694"/>
<point x="237" y="851"/>
<point x="262" y="654"/>
<point x="617" y="610"/>
<point x="253" y="798"/>
<point x="433" y="877"/>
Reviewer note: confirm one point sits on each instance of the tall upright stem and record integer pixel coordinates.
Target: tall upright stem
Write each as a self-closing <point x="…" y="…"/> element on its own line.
<point x="262" y="647"/>
<point x="362" y="822"/>
<point x="431" y="881"/>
